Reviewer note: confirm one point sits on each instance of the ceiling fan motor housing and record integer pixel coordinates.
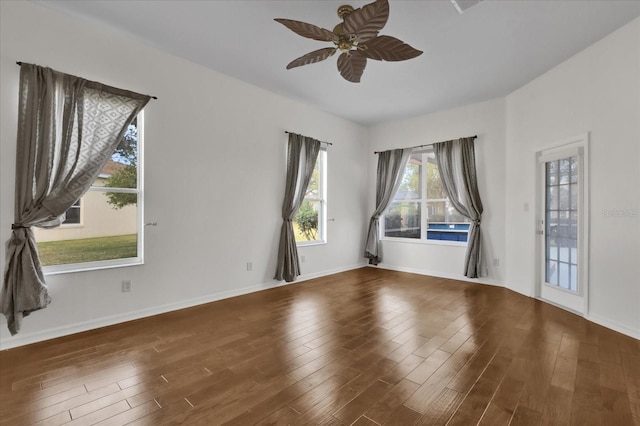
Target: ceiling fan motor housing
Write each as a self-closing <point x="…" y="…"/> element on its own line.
<point x="357" y="37"/>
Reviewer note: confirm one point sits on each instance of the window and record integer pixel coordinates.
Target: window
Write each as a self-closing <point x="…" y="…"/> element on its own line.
<point x="72" y="216"/>
<point x="309" y="225"/>
<point x="103" y="228"/>
<point x="421" y="211"/>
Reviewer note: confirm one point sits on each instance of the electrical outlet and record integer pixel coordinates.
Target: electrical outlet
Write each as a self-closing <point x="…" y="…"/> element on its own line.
<point x="249" y="266"/>
<point x="126" y="286"/>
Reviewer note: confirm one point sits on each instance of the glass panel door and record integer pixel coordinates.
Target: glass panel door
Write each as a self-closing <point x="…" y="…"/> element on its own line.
<point x="561" y="223"/>
<point x="563" y="235"/>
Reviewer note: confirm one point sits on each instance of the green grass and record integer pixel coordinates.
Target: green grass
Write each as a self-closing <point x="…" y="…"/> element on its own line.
<point x="88" y="250"/>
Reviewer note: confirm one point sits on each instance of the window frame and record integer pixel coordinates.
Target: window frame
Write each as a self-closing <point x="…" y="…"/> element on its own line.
<point x="123" y="262"/>
<point x="423" y="202"/>
<point x="322" y="199"/>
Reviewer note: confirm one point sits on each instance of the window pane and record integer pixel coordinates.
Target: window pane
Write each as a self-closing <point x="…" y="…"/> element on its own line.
<point x="564" y="245"/>
<point x="410" y="187"/>
<point x="563" y="276"/>
<point x="565" y="170"/>
<point x="448" y="231"/>
<point x="72" y="216"/>
<point x="435" y="189"/>
<point x="305" y="224"/>
<point x="564" y="197"/>
<point x="574" y="225"/>
<point x="573" y="284"/>
<point x="106" y="233"/>
<point x="552" y="222"/>
<point x="552" y="198"/>
<point x="574" y="196"/>
<point x="452" y="215"/>
<point x="436" y="211"/>
<point x="443" y="212"/>
<point x="121" y="171"/>
<point x="117" y="175"/>
<point x="552" y="173"/>
<point x="313" y="190"/>
<point x="552" y="250"/>
<point x="552" y="272"/>
<point x="403" y="220"/>
<point x="309" y="222"/>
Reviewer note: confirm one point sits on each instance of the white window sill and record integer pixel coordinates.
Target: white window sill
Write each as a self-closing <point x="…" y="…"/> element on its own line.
<point x="425" y="242"/>
<point x="311" y="243"/>
<point x="91" y="266"/>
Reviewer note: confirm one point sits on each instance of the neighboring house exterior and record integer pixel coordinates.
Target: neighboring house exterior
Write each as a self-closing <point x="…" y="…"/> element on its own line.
<point x="92" y="216"/>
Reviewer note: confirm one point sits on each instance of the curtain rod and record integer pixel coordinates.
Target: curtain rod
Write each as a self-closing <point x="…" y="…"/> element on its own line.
<point x="152" y="97"/>
<point x="327" y="143"/>
<point x="429" y="144"/>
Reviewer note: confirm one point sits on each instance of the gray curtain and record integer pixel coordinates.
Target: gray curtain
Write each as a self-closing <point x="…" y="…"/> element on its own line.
<point x="68" y="128"/>
<point x="457" y="163"/>
<point x="302" y="153"/>
<point x="391" y="166"/>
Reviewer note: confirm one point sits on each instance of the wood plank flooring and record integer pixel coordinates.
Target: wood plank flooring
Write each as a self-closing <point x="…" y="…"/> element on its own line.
<point x="364" y="347"/>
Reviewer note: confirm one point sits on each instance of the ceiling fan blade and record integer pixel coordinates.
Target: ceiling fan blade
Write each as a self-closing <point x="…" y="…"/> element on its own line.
<point x="387" y="48"/>
<point x="313" y="57"/>
<point x="351" y="65"/>
<point x="366" y="22"/>
<point x="308" y="30"/>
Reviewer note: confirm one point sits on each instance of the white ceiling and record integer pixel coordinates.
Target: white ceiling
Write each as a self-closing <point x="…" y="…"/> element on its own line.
<point x="486" y="52"/>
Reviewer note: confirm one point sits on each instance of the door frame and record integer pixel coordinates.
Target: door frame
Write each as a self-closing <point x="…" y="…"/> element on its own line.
<point x="580" y="144"/>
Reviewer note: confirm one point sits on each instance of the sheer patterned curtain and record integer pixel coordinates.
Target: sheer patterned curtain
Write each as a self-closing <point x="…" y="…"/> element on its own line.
<point x="302" y="153"/>
<point x="391" y="166"/>
<point x="68" y="128"/>
<point x="457" y="163"/>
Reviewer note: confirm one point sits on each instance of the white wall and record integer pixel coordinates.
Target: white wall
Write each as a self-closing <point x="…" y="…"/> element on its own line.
<point x="484" y="119"/>
<point x="596" y="91"/>
<point x="214" y="175"/>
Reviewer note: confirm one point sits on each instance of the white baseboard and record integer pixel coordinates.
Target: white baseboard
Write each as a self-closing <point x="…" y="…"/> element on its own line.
<point x="28" y="338"/>
<point x="437" y="274"/>
<point x="620" y="328"/>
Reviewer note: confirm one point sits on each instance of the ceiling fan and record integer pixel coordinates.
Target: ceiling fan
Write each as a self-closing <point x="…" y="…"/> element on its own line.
<point x="356" y="37"/>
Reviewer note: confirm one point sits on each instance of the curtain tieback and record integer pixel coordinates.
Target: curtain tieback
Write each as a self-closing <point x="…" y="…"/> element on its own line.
<point x="18" y="237"/>
<point x="476" y="222"/>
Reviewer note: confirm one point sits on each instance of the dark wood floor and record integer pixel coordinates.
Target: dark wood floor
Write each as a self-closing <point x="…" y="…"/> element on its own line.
<point x="363" y="347"/>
